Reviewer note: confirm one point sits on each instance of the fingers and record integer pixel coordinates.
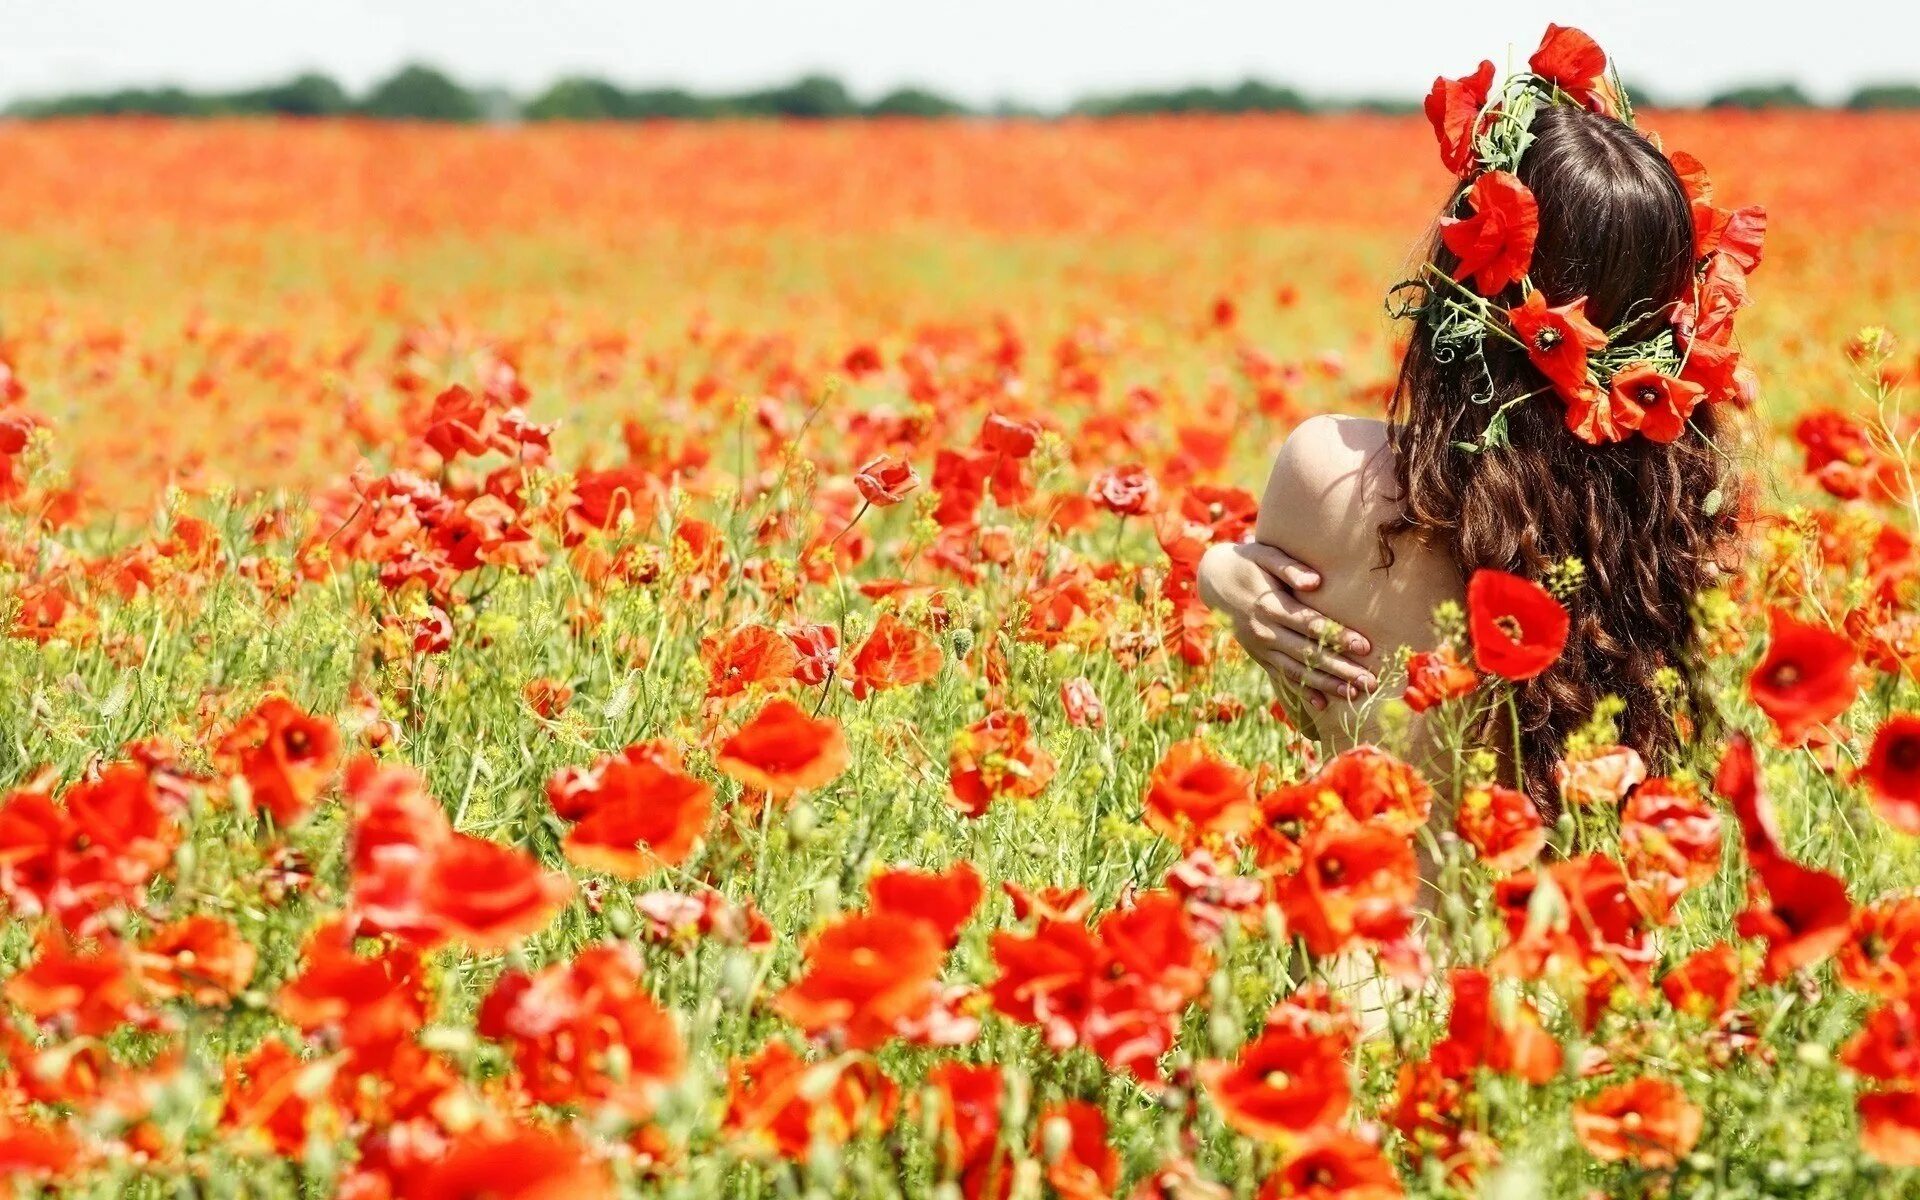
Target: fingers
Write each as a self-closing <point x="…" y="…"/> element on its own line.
<point x="1286" y="611"/>
<point x="1287" y="686"/>
<point x="1282" y="566"/>
<point x="1303" y="660"/>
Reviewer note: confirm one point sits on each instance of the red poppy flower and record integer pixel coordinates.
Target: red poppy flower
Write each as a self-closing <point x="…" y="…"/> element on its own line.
<point x="1334" y="1166"/>
<point x="1193" y="793"/>
<point x="943" y="899"/>
<point x="1643" y="399"/>
<point x="1598" y="776"/>
<point x="1518" y="629"/>
<point x="995" y="757"/>
<point x="1152" y="940"/>
<point x="1802" y="912"/>
<point x="1806" y="678"/>
<point x="894" y="655"/>
<point x="1285" y="1082"/>
<point x="1887" y="1046"/>
<point x="1892" y="772"/>
<point x="369" y="1004"/>
<point x="1494" y="244"/>
<point x="285" y="755"/>
<point x="818" y="647"/>
<point x="264" y="1092"/>
<point x="1508" y="1038"/>
<point x="969" y="1101"/>
<point x="782" y="750"/>
<point x="30" y="1151"/>
<point x="866" y="973"/>
<point x="886" y="480"/>
<point x="1126" y="491"/>
<point x="1707" y="983"/>
<point x="777" y="1098"/>
<point x="1227" y="512"/>
<point x="1890" y="1126"/>
<point x="199" y="957"/>
<point x="1882" y="950"/>
<point x="1080" y="1166"/>
<point x="1354" y="882"/>
<point x="520" y="1164"/>
<point x="1646" y="1121"/>
<point x="1436" y="676"/>
<point x="1503" y="827"/>
<point x="1574" y="63"/>
<point x="88" y="989"/>
<point x="1558" y="340"/>
<point x="642" y="825"/>
<point x="488" y="896"/>
<point x="745" y="657"/>
<point x="1453" y="108"/>
<point x="586" y="1032"/>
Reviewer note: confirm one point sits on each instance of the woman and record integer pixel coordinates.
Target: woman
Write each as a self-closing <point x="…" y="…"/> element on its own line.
<point x="1562" y="397"/>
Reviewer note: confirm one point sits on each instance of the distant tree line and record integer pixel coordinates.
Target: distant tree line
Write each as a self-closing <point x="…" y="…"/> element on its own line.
<point x="420" y="92"/>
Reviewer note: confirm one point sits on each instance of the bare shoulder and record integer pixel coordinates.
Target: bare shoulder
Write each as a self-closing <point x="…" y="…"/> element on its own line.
<point x="1333" y="476"/>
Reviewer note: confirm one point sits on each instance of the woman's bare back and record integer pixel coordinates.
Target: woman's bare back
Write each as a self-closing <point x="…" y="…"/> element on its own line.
<point x="1330" y="488"/>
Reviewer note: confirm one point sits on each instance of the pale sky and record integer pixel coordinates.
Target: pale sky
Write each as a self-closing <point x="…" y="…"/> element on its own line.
<point x="1041" y="51"/>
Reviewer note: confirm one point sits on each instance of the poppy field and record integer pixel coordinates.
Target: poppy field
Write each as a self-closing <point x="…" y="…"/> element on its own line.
<point x="663" y="660"/>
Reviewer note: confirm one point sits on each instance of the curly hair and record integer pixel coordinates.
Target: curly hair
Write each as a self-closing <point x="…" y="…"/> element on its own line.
<point x="1616" y="228"/>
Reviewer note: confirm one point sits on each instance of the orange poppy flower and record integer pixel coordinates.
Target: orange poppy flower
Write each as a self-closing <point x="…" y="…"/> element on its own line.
<point x="1594" y="777"/>
<point x="943" y="899"/>
<point x="488" y="896"/>
<point x="777" y="1099"/>
<point x="369" y="1004"/>
<point x="866" y="973"/>
<point x="1882" y="950"/>
<point x="199" y="957"/>
<point x="1707" y="983"/>
<point x="1806" y="678"/>
<point x="1495" y="242"/>
<point x="1436" y="676"/>
<point x="267" y="1093"/>
<point x="996" y="756"/>
<point x="33" y="1151"/>
<point x="285" y="755"/>
<point x="749" y="656"/>
<point x="1453" y="109"/>
<point x="1509" y="1039"/>
<point x="1502" y="825"/>
<point x="1334" y="1166"/>
<point x="1354" y="882"/>
<point x="518" y="1164"/>
<point x="88" y="989"/>
<point x="894" y="655"/>
<point x="1192" y="793"/>
<point x="586" y="1032"/>
<point x="1285" y="1082"/>
<point x="642" y="813"/>
<point x="1647" y="1121"/>
<point x="1890" y="1126"/>
<point x="1892" y="771"/>
<point x="1080" y="1165"/>
<point x="781" y="750"/>
<point x="1518" y="629"/>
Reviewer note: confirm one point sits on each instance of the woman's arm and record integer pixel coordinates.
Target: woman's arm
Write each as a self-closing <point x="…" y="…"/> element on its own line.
<point x="1255" y="585"/>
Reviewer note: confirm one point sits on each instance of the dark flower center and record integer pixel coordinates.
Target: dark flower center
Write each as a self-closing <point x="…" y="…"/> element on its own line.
<point x="1648" y="395"/>
<point x="1509" y="624"/>
<point x="1904" y="755"/>
<point x="1546" y="339"/>
<point x="1785" y="675"/>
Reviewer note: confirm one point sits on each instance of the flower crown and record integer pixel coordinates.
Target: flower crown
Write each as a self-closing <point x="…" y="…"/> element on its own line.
<point x="1612" y="388"/>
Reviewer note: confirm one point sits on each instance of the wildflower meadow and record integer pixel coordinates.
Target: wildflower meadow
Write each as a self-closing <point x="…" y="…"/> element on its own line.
<point x="662" y="660"/>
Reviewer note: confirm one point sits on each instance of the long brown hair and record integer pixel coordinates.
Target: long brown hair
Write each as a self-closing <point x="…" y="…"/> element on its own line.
<point x="1615" y="227"/>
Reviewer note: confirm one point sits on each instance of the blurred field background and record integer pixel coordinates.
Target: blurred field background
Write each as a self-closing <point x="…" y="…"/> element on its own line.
<point x="201" y="301"/>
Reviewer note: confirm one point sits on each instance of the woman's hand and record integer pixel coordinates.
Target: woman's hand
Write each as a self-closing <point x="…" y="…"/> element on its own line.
<point x="1255" y="585"/>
